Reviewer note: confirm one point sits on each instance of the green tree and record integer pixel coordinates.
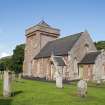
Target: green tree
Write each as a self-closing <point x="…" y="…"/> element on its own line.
<point x="18" y="58"/>
<point x="100" y="45"/>
<point x="6" y="63"/>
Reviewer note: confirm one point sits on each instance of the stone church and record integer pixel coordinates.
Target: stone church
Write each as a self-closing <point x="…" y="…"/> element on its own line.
<point x="76" y="54"/>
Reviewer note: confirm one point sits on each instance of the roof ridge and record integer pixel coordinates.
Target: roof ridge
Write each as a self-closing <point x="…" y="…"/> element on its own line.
<point x="66" y="36"/>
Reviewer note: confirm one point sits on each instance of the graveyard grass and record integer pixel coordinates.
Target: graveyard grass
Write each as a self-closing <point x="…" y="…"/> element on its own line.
<point x="28" y="92"/>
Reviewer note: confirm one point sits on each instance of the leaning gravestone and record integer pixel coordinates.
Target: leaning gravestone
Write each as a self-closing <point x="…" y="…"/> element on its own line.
<point x="7" y="84"/>
<point x="82" y="88"/>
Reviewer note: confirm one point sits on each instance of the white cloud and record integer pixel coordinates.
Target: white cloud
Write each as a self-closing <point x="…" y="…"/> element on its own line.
<point x="4" y="54"/>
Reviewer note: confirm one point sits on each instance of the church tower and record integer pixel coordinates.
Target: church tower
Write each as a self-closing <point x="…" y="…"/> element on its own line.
<point x="36" y="38"/>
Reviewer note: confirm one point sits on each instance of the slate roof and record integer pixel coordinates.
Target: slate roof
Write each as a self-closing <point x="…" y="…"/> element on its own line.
<point x="59" y="60"/>
<point x="59" y="46"/>
<point x="90" y="58"/>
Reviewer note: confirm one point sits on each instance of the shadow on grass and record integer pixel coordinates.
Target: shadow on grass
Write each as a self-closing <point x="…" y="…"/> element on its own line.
<point x="88" y="98"/>
<point x="19" y="81"/>
<point x="5" y="101"/>
<point x="16" y="93"/>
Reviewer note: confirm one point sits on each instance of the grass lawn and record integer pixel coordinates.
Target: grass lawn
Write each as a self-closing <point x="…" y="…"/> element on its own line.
<point x="29" y="92"/>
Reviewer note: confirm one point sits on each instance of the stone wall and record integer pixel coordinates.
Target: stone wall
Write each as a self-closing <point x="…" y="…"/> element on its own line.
<point x="43" y="68"/>
<point x="96" y="71"/>
<point x="78" y="52"/>
<point x="99" y="67"/>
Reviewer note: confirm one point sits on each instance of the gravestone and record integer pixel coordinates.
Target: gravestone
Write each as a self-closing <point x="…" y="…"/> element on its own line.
<point x="7" y="84"/>
<point x="82" y="88"/>
<point x="98" y="82"/>
<point x="58" y="76"/>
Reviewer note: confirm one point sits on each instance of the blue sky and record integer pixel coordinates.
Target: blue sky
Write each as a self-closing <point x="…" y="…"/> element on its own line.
<point x="71" y="16"/>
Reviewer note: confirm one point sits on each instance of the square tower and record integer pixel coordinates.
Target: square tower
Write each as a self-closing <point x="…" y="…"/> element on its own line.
<point x="36" y="38"/>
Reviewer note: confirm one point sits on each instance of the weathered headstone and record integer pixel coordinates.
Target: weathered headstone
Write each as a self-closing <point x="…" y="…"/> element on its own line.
<point x="7" y="84"/>
<point x="59" y="83"/>
<point x="82" y="88"/>
<point x="98" y="82"/>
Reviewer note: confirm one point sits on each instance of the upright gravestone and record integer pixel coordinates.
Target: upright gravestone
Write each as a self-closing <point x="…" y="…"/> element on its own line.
<point x="98" y="82"/>
<point x="7" y="84"/>
<point x="82" y="88"/>
<point x="58" y="74"/>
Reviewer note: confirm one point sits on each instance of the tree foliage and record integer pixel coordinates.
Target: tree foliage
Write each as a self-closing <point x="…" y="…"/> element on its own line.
<point x="100" y="45"/>
<point x="6" y="63"/>
<point x="18" y="58"/>
<point x="14" y="62"/>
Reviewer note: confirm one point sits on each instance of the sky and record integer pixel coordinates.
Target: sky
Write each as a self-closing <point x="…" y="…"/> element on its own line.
<point x="70" y="16"/>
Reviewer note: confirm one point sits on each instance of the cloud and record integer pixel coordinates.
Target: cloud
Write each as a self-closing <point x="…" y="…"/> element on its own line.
<point x="4" y="54"/>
